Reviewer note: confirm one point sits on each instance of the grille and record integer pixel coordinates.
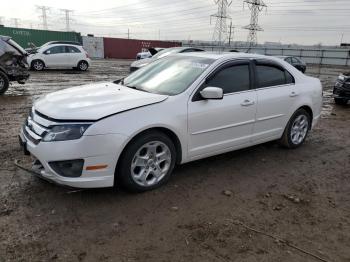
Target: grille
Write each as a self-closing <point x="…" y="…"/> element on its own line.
<point x="35" y="127"/>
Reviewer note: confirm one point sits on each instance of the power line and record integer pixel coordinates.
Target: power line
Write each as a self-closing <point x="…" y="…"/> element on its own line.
<point x="220" y="31"/>
<point x="43" y="9"/>
<point x="255" y="6"/>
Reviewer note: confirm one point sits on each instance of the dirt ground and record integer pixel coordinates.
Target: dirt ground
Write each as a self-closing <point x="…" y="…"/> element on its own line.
<point x="301" y="196"/>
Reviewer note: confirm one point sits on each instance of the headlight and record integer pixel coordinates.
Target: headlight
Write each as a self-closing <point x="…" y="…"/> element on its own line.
<point x="65" y="132"/>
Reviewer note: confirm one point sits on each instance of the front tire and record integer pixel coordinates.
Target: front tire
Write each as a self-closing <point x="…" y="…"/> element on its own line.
<point x="83" y="66"/>
<point x="147" y="162"/>
<point x="4" y="83"/>
<point x="340" y="101"/>
<point x="297" y="129"/>
<point x="37" y="65"/>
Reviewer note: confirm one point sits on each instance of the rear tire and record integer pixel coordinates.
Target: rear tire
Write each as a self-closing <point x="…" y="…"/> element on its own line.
<point x="340" y="101"/>
<point x="37" y="65"/>
<point x="4" y="82"/>
<point x="296" y="130"/>
<point x="147" y="162"/>
<point x="83" y="66"/>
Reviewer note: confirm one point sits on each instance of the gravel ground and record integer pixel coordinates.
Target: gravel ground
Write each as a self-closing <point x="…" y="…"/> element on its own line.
<point x="256" y="204"/>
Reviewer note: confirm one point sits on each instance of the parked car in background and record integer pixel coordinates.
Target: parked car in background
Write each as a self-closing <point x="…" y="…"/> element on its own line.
<point x="151" y="52"/>
<point x="178" y="109"/>
<point x="59" y="56"/>
<point x="341" y="90"/>
<point x="13" y="63"/>
<point x="168" y="51"/>
<point x="33" y="49"/>
<point x="296" y="62"/>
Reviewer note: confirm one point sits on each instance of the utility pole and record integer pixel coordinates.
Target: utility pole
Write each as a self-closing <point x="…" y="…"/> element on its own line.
<point x="231" y="34"/>
<point x="43" y="9"/>
<point x="15" y="22"/>
<point x="67" y="13"/>
<point x="255" y="6"/>
<point x="341" y="40"/>
<point x="220" y="31"/>
<point x="128" y="33"/>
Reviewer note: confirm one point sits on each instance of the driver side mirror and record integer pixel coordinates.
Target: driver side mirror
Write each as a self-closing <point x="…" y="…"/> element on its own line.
<point x="212" y="93"/>
<point x="47" y="52"/>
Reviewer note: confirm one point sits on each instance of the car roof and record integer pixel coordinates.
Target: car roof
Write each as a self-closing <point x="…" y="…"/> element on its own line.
<point x="228" y="55"/>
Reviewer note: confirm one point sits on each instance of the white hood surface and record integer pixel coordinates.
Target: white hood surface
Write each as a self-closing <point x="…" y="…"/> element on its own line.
<point x="94" y="101"/>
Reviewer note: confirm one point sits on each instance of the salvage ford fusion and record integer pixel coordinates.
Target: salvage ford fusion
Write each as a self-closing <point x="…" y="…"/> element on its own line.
<point x="177" y="109"/>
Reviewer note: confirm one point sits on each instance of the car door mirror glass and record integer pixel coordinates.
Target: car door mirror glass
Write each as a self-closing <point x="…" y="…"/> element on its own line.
<point x="212" y="93"/>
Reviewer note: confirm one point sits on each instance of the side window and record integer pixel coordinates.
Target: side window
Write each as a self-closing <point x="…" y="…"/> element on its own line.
<point x="72" y="49"/>
<point x="270" y="76"/>
<point x="295" y="61"/>
<point x="55" y="50"/>
<point x="289" y="60"/>
<point x="232" y="79"/>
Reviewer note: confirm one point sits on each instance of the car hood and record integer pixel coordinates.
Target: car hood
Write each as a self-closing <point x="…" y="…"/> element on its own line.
<point x="142" y="63"/>
<point x="94" y="101"/>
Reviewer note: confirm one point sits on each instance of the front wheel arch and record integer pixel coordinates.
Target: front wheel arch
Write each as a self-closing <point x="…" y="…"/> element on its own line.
<point x="172" y="136"/>
<point x="32" y="63"/>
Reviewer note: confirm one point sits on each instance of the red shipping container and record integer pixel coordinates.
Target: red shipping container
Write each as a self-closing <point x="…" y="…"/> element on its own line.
<point x="128" y="48"/>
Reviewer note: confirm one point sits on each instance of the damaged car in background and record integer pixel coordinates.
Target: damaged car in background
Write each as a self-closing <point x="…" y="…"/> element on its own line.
<point x="341" y="90"/>
<point x="13" y="63"/>
<point x="166" y="52"/>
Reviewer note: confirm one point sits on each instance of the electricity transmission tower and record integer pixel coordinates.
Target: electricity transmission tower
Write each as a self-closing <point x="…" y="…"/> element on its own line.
<point x="67" y="13"/>
<point x="220" y="31"/>
<point x="255" y="6"/>
<point x="15" y="22"/>
<point x="44" y="10"/>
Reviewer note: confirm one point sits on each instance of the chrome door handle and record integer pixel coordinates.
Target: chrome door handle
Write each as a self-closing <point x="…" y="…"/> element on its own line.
<point x="247" y="103"/>
<point x="293" y="94"/>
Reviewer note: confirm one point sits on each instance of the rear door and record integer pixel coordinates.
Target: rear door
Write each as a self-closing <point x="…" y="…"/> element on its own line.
<point x="73" y="56"/>
<point x="276" y="96"/>
<point x="55" y="56"/>
<point x="221" y="125"/>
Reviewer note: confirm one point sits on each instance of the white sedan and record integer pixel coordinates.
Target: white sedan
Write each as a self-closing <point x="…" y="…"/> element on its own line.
<point x="177" y="109"/>
<point x="59" y="56"/>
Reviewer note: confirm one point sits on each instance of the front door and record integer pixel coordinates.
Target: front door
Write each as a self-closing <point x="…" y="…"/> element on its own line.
<point x="222" y="125"/>
<point x="55" y="56"/>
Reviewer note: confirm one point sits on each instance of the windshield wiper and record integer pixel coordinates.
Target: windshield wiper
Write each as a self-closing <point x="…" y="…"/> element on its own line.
<point x="137" y="88"/>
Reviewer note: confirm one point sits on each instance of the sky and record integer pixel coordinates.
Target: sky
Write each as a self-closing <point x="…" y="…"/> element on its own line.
<point x="305" y="22"/>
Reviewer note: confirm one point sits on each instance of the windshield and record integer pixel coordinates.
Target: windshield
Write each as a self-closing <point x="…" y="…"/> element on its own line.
<point x="166" y="52"/>
<point x="171" y="75"/>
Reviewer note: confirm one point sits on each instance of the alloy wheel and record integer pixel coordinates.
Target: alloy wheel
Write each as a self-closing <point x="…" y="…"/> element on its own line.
<point x="151" y="163"/>
<point x="299" y="129"/>
<point x="38" y="65"/>
<point x="83" y="66"/>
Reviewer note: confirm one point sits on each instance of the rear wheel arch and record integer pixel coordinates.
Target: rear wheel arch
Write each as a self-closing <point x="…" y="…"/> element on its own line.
<point x="308" y="109"/>
<point x="83" y="61"/>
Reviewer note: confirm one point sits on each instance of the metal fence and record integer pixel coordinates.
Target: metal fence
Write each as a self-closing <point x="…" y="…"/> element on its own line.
<point x="336" y="56"/>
